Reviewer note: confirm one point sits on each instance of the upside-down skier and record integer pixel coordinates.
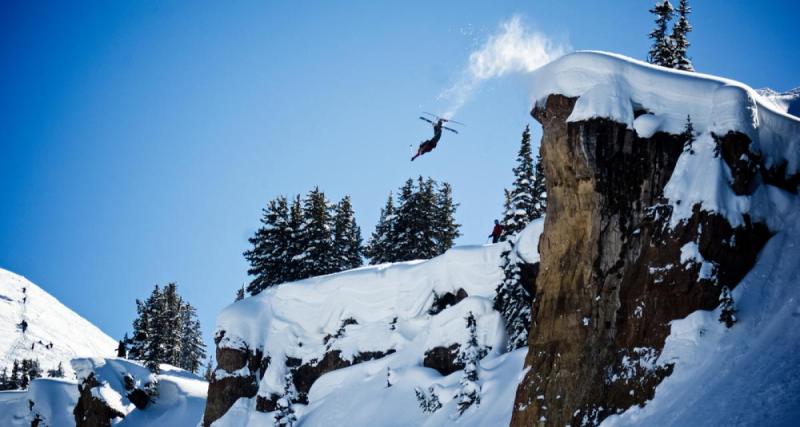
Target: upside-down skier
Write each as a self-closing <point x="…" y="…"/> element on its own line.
<point x="428" y="145"/>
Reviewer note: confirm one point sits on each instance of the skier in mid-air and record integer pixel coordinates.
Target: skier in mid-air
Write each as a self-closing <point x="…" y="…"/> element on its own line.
<point x="428" y="145"/>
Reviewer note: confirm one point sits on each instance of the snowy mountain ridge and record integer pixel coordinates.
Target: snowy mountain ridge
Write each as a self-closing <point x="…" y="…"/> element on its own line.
<point x="53" y="333"/>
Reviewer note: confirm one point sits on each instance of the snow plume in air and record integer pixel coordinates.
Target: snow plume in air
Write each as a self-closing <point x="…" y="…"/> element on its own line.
<point x="512" y="49"/>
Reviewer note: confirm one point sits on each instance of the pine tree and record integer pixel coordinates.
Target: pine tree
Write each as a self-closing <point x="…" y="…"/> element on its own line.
<point x="192" y="349"/>
<point x="679" y="41"/>
<point x="346" y="236"/>
<point x="415" y="236"/>
<point x="285" y="416"/>
<point x="319" y="255"/>
<point x="661" y="51"/>
<point x="446" y="228"/>
<point x="296" y="243"/>
<point x="171" y="326"/>
<point x="271" y="255"/>
<point x="166" y="330"/>
<point x="727" y="313"/>
<point x="380" y="248"/>
<point x="513" y="301"/>
<point x="15" y="379"/>
<point x="688" y="136"/>
<point x="470" y="356"/>
<point x="239" y="294"/>
<point x="522" y="207"/>
<point x="122" y="347"/>
<point x="209" y="374"/>
<point x="539" y="189"/>
<point x="56" y="373"/>
<point x="4" y="380"/>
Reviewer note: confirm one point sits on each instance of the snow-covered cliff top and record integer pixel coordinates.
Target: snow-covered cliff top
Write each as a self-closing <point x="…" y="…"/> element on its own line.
<point x="649" y="99"/>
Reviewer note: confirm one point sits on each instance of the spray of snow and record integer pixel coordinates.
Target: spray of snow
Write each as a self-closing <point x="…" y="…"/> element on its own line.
<point x="514" y="48"/>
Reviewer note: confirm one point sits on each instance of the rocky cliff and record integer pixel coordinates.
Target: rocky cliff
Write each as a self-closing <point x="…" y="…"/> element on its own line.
<point x="612" y="275"/>
<point x="663" y="187"/>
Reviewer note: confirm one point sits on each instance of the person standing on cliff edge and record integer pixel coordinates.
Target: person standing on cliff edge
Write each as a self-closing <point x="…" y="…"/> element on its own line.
<point x="496" y="231"/>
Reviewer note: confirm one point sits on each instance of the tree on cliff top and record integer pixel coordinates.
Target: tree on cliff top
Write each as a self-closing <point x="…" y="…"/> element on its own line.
<point x="679" y="41"/>
<point x="661" y="52"/>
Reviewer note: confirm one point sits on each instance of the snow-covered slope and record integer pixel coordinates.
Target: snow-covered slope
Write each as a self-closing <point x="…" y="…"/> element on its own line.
<point x="788" y="102"/>
<point x="54" y="333"/>
<point x="385" y="309"/>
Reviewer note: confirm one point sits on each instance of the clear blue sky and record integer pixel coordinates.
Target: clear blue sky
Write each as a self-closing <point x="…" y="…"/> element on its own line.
<point x="139" y="140"/>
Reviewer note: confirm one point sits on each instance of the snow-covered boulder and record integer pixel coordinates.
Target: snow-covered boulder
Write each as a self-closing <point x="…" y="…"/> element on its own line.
<point x="123" y="392"/>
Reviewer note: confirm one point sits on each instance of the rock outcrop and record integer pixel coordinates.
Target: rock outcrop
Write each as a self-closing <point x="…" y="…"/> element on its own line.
<point x="613" y="273"/>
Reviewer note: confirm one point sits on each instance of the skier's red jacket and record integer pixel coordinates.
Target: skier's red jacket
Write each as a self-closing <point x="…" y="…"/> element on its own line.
<point x="497" y="230"/>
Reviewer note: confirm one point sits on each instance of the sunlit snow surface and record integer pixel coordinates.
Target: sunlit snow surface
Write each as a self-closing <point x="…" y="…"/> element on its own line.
<point x="48" y="322"/>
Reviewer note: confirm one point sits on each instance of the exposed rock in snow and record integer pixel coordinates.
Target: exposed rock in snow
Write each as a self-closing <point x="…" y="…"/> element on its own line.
<point x="53" y="333"/>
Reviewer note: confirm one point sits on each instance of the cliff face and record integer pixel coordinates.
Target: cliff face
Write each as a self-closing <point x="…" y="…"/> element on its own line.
<point x="613" y="272"/>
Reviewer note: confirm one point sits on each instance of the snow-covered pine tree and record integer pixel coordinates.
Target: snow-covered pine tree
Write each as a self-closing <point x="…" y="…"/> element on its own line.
<point x="171" y="325"/>
<point x="296" y="242"/>
<point x="539" y="189"/>
<point x="688" y="136"/>
<point x="193" y="349"/>
<point x="446" y="228"/>
<point x="429" y="402"/>
<point x="319" y="255"/>
<point x="239" y="294"/>
<point x="149" y="331"/>
<point x="269" y="258"/>
<point x="522" y="206"/>
<point x="380" y="247"/>
<point x="405" y="223"/>
<point x="661" y="51"/>
<point x="346" y="236"/>
<point x="471" y="354"/>
<point x="284" y="413"/>
<point x="679" y="38"/>
<point x="727" y="313"/>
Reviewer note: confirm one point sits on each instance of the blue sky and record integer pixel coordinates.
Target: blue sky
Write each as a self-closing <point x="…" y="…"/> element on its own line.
<point x="139" y="140"/>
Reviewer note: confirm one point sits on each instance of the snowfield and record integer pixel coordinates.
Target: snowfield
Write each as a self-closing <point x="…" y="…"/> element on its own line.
<point x="391" y="306"/>
<point x="55" y="334"/>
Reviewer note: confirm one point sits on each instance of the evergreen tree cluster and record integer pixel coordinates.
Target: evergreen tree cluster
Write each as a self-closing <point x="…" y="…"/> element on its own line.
<point x="166" y="330"/>
<point x="527" y="199"/>
<point x="284" y="411"/>
<point x="23" y="372"/>
<point x="301" y="239"/>
<point x="671" y="50"/>
<point x="420" y="225"/>
<point x="525" y="202"/>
